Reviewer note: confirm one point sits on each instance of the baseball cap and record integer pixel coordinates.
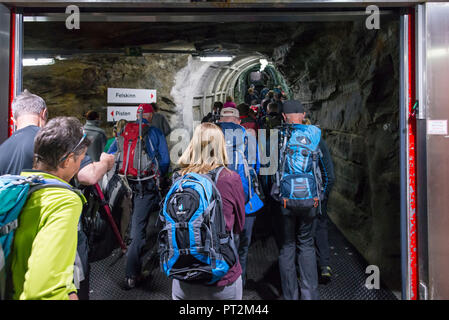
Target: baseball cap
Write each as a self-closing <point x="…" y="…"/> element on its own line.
<point x="147" y="108"/>
<point x="229" y="112"/>
<point x="292" y="106"/>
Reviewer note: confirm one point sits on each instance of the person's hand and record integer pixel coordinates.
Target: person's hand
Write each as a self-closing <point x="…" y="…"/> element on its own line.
<point x="108" y="158"/>
<point x="73" y="296"/>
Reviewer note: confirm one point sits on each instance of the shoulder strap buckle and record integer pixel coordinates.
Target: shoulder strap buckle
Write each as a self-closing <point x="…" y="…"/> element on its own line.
<point x="7" y="228"/>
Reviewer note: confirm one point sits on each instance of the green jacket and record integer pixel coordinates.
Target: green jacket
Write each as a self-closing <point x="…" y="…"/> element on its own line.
<point x="45" y="244"/>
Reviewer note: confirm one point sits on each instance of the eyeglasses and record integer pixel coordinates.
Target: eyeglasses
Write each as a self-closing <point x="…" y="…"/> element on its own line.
<point x="73" y="150"/>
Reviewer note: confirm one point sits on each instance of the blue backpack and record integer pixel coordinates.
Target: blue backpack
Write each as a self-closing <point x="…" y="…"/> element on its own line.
<point x="238" y="153"/>
<point x="14" y="192"/>
<point x="298" y="182"/>
<point x="194" y="245"/>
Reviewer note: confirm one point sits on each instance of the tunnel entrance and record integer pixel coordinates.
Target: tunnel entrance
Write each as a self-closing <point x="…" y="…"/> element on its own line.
<point x="350" y="89"/>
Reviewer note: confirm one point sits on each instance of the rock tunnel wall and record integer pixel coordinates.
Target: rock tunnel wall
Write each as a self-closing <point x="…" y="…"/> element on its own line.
<point x="348" y="78"/>
<point x="82" y="81"/>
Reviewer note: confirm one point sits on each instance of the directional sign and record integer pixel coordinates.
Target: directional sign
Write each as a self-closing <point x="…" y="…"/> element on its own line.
<point x="117" y="113"/>
<point x="131" y="96"/>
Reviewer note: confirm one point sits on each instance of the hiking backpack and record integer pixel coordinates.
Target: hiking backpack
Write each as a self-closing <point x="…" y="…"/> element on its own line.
<point x="271" y="121"/>
<point x="100" y="220"/>
<point x="133" y="160"/>
<point x="298" y="182"/>
<point x="194" y="245"/>
<point x="238" y="153"/>
<point x="14" y="192"/>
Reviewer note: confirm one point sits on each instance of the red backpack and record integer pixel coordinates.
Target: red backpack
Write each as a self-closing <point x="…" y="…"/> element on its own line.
<point x="128" y="145"/>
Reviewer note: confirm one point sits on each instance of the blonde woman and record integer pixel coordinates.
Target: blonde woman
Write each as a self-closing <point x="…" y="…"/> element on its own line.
<point x="206" y="152"/>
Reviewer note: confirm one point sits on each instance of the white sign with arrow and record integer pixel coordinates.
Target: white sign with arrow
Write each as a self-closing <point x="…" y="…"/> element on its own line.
<point x="117" y="113"/>
<point x="131" y="96"/>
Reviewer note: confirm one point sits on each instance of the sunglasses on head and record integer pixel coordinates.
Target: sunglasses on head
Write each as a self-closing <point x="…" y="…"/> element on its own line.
<point x="73" y="150"/>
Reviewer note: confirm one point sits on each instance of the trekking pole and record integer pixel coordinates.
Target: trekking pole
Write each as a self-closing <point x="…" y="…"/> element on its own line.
<point x="139" y="163"/>
<point x="110" y="218"/>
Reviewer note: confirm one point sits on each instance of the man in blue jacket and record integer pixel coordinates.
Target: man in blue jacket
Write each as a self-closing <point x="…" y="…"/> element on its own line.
<point x="239" y="143"/>
<point x="154" y="163"/>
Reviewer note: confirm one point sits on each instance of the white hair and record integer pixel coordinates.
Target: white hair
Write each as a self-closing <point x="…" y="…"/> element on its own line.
<point x="27" y="103"/>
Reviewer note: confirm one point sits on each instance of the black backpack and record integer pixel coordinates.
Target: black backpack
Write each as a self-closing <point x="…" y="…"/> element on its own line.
<point x="95" y="222"/>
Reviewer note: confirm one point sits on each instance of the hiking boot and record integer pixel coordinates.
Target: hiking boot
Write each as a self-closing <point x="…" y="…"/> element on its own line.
<point x="130" y="283"/>
<point x="325" y="275"/>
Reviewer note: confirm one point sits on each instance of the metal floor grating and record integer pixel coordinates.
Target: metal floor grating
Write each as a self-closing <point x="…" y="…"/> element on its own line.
<point x="348" y="280"/>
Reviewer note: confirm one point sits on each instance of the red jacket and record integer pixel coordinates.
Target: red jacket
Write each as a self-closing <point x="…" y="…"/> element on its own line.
<point x="249" y="123"/>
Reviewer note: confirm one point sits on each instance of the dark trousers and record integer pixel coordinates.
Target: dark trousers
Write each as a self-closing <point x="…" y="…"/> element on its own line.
<point x="83" y="252"/>
<point x="298" y="243"/>
<point x="143" y="204"/>
<point x="245" y="242"/>
<point x="321" y="236"/>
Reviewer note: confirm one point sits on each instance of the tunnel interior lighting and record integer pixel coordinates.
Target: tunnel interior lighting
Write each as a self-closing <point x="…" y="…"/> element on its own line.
<point x="216" y="58"/>
<point x="263" y="64"/>
<point x="37" y="62"/>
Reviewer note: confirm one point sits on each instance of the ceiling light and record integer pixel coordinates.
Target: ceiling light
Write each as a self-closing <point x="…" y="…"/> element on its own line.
<point x="38" y="62"/>
<point x="263" y="64"/>
<point x="216" y="58"/>
<point x="60" y="58"/>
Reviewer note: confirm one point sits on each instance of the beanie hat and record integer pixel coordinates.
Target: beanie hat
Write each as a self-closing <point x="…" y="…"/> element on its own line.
<point x="229" y="104"/>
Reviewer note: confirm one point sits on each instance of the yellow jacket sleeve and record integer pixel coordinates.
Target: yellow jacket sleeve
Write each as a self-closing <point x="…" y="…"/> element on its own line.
<point x="50" y="265"/>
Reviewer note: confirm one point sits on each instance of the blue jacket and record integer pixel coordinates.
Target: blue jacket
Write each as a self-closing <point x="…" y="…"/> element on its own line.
<point x="160" y="144"/>
<point x="252" y="155"/>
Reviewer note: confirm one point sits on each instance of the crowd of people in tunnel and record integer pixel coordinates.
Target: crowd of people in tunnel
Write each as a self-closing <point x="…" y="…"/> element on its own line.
<point x="208" y="200"/>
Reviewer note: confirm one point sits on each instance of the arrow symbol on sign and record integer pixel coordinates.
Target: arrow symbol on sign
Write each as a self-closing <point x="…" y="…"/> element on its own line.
<point x="152" y="96"/>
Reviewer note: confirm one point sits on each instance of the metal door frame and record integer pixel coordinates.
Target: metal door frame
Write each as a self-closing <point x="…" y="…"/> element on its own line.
<point x="406" y="103"/>
<point x="409" y="253"/>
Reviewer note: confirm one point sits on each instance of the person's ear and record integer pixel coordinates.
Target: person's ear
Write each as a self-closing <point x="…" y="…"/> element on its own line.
<point x="43" y="116"/>
<point x="64" y="164"/>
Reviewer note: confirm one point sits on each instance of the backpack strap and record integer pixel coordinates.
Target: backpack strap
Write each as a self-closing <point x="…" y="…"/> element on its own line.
<point x="93" y="129"/>
<point x="155" y="169"/>
<point x="217" y="174"/>
<point x="7" y="228"/>
<point x="214" y="174"/>
<point x="39" y="183"/>
<point x="315" y="157"/>
<point x="283" y="150"/>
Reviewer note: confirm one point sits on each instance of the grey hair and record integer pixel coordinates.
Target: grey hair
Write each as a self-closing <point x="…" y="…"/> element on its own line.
<point x="27" y="103"/>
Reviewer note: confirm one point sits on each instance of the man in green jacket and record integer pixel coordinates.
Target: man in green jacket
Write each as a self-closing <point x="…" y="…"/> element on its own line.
<point x="45" y="241"/>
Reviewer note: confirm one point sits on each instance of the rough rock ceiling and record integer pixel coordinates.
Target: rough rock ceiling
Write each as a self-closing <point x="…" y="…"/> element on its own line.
<point x="249" y="37"/>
